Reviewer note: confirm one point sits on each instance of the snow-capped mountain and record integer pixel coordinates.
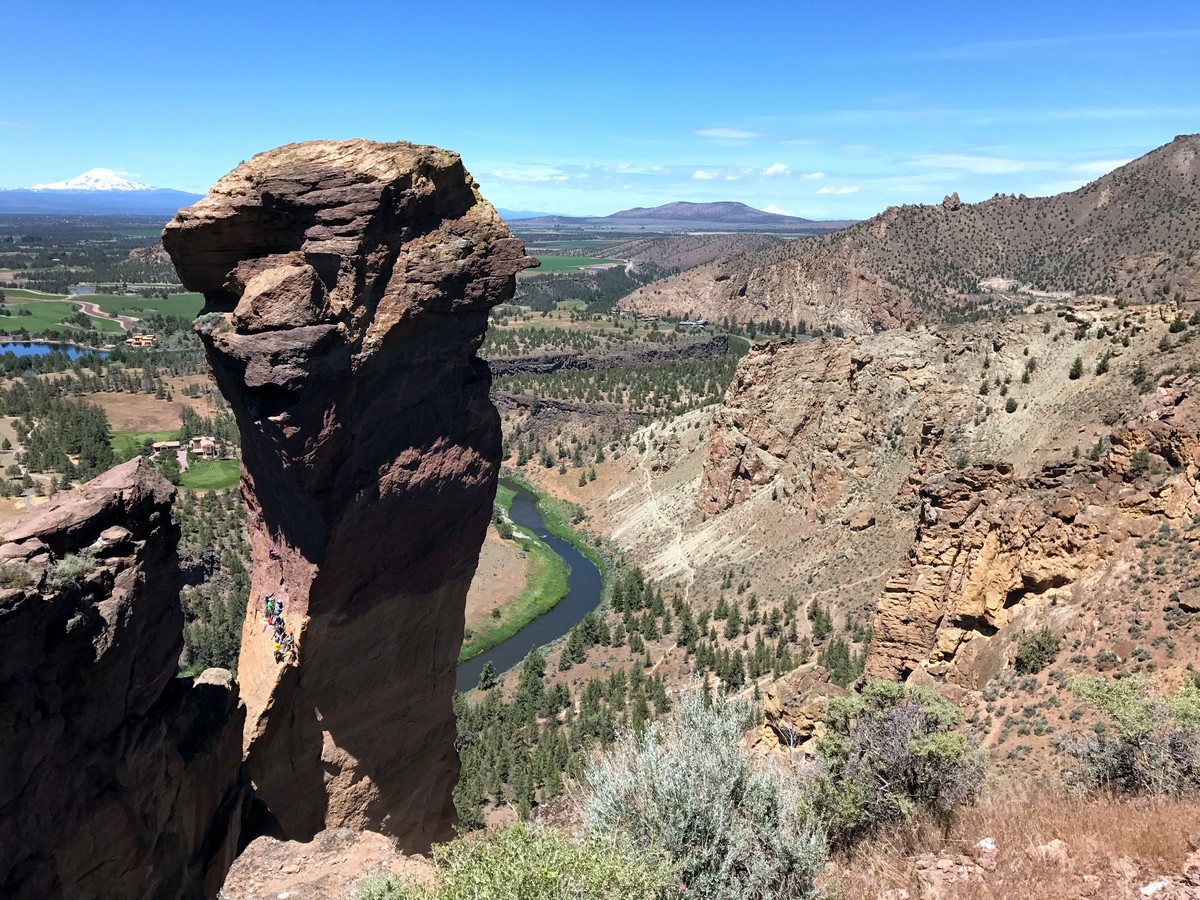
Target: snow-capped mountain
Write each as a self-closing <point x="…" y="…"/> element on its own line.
<point x="94" y="180"/>
<point x="97" y="192"/>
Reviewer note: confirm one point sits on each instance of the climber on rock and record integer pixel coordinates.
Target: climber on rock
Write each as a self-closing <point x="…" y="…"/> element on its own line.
<point x="271" y="554"/>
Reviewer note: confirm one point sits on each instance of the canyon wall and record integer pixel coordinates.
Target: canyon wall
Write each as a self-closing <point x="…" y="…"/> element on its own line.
<point x="347" y="288"/>
<point x="965" y="486"/>
<point x="119" y="778"/>
<point x="997" y="556"/>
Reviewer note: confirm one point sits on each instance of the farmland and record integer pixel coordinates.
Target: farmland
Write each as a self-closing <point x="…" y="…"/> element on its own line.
<point x="551" y="264"/>
<point x="36" y="316"/>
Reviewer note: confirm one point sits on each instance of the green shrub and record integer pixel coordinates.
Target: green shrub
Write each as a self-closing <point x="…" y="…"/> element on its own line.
<point x="381" y="886"/>
<point x="1076" y="369"/>
<point x="1010" y="405"/>
<point x="891" y="751"/>
<point x="524" y="863"/>
<point x="70" y="570"/>
<point x="1139" y="462"/>
<point x="1036" y="651"/>
<point x="735" y="832"/>
<point x="1155" y="745"/>
<point x="15" y="575"/>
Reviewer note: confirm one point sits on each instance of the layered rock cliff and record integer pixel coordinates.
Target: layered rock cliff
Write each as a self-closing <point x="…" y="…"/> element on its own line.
<point x="119" y="779"/>
<point x="997" y="556"/>
<point x="347" y="288"/>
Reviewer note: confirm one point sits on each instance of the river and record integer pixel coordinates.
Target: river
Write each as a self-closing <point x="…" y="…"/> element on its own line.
<point x="584" y="586"/>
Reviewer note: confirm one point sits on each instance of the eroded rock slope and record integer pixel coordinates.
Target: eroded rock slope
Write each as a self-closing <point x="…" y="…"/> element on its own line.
<point x="347" y="288"/>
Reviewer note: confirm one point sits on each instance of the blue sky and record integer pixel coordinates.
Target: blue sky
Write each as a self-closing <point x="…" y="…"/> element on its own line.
<point x="824" y="110"/>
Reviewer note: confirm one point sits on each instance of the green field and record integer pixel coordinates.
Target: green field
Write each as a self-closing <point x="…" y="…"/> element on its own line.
<point x="187" y="305"/>
<point x="126" y="444"/>
<point x="551" y="264"/>
<point x="212" y="474"/>
<point x="599" y="244"/>
<point x="22" y="294"/>
<point x="46" y="316"/>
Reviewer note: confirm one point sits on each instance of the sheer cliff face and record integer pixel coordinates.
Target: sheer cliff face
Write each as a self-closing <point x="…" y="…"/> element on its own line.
<point x="348" y="286"/>
<point x="119" y="779"/>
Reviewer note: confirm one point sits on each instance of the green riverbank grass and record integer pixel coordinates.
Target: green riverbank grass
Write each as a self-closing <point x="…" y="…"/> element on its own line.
<point x="547" y="582"/>
<point x="544" y="588"/>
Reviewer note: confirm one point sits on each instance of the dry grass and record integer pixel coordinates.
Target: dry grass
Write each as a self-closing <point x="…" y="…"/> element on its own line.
<point x="1122" y="843"/>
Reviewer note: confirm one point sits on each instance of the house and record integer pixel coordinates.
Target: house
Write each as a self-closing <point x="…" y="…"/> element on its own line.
<point x="142" y="340"/>
<point x="165" y="445"/>
<point x="204" y="447"/>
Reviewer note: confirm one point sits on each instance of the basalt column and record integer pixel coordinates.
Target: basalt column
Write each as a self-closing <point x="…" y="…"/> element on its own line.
<point x="347" y="288"/>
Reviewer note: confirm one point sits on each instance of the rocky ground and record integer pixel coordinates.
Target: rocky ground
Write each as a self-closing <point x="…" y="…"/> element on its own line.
<point x="325" y="868"/>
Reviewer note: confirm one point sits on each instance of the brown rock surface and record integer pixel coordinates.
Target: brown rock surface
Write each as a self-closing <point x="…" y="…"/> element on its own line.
<point x="119" y="779"/>
<point x="347" y="289"/>
<point x="794" y="708"/>
<point x="326" y="867"/>
<point x="994" y="551"/>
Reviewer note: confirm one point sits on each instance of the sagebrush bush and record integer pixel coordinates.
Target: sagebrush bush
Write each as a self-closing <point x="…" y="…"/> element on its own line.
<point x="15" y="575"/>
<point x="891" y="751"/>
<point x="1156" y="745"/>
<point x="381" y="886"/>
<point x="70" y="570"/>
<point x="1036" y="651"/>
<point x="734" y="832"/>
<point x="524" y="863"/>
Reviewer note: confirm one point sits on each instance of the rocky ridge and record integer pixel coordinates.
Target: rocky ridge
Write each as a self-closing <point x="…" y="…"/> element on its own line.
<point x="961" y="488"/>
<point x="1133" y="233"/>
<point x="120" y="779"/>
<point x="347" y="288"/>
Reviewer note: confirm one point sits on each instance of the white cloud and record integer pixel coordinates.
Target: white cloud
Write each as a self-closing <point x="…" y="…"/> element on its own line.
<point x="837" y="190"/>
<point x="776" y="169"/>
<point x="813" y="176"/>
<point x="701" y="175"/>
<point x="1008" y="48"/>
<point x="998" y="165"/>
<point x="772" y="208"/>
<point x="733" y="177"/>
<point x="531" y="174"/>
<point x="979" y="165"/>
<point x="1097" y="167"/>
<point x="727" y="134"/>
<point x="632" y="169"/>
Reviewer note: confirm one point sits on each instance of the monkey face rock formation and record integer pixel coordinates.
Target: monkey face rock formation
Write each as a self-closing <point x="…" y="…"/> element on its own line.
<point x="347" y="288"/>
<point x="119" y="779"/>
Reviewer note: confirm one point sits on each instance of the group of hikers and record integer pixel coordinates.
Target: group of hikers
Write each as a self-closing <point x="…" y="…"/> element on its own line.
<point x="283" y="641"/>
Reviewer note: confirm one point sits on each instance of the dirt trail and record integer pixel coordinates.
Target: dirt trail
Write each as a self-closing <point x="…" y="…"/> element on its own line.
<point x="92" y="309"/>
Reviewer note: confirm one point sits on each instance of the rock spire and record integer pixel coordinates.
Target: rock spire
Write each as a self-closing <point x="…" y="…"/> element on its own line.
<point x="347" y="288"/>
